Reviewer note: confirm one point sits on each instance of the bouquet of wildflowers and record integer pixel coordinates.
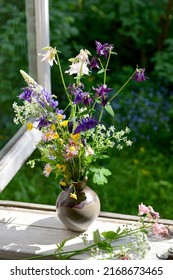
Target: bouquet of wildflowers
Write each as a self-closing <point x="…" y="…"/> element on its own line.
<point x="74" y="138"/>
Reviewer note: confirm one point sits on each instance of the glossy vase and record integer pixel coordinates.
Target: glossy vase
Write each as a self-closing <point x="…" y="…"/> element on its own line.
<point x="78" y="214"/>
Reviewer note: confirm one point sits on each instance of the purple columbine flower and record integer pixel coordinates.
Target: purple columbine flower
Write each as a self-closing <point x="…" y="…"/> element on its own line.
<point x="101" y="91"/>
<point x="87" y="99"/>
<point x="70" y="126"/>
<point x="81" y="96"/>
<point x="104" y="49"/>
<point x="42" y="122"/>
<point x="26" y="94"/>
<point x="78" y="93"/>
<point x="94" y="63"/>
<point x="86" y="124"/>
<point x="139" y="75"/>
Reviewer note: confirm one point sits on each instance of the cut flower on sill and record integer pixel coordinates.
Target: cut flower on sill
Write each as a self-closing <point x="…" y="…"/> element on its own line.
<point x="74" y="137"/>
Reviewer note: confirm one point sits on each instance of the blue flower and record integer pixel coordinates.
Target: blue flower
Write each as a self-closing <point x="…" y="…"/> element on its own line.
<point x="26" y="94"/>
<point x="86" y="124"/>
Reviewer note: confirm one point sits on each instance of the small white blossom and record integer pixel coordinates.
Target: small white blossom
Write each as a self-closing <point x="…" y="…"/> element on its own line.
<point x="49" y="56"/>
<point x="79" y="68"/>
<point x="129" y="143"/>
<point x="119" y="147"/>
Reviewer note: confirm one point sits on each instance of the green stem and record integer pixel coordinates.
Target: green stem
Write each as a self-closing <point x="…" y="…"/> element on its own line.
<point x="69" y="254"/>
<point x="105" y="70"/>
<point x="77" y="252"/>
<point x="60" y="70"/>
<point x="122" y="87"/>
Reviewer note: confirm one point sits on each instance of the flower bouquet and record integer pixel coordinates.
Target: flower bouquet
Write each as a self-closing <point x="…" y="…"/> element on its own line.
<point x="74" y="138"/>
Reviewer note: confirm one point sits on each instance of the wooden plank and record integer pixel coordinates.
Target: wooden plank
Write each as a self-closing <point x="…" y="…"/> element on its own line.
<point x="26" y="232"/>
<point x="16" y="153"/>
<point x="44" y="207"/>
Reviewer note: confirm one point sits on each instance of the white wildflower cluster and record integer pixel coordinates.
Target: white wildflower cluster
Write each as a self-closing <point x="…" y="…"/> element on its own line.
<point x="140" y="246"/>
<point x="24" y="112"/>
<point x="133" y="246"/>
<point x="105" y="138"/>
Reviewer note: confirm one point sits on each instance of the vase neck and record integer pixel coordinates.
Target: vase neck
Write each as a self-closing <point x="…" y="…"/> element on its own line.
<point x="79" y="185"/>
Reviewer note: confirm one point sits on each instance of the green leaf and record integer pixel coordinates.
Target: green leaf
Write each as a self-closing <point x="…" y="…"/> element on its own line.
<point x="105" y="171"/>
<point x="109" y="109"/>
<point x="105" y="246"/>
<point x="102" y="156"/>
<point x="99" y="179"/>
<point x="101" y="71"/>
<point x="109" y="234"/>
<point x="99" y="175"/>
<point x="96" y="236"/>
<point x="93" y="169"/>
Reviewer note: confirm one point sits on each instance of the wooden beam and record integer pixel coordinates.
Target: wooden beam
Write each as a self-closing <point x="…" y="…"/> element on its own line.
<point x="15" y="153"/>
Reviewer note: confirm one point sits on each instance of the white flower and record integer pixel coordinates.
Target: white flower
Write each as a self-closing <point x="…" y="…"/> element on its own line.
<point x="79" y="64"/>
<point x="83" y="56"/>
<point x="79" y="68"/>
<point x="49" y="56"/>
<point x="89" y="151"/>
<point x="129" y="143"/>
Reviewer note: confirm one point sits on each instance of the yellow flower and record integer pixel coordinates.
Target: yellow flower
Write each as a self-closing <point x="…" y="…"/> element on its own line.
<point x="59" y="117"/>
<point x="64" y="123"/>
<point x="48" y="134"/>
<point x="63" y="184"/>
<point x="55" y="135"/>
<point x="72" y="148"/>
<point x="52" y="127"/>
<point x="61" y="166"/>
<point x="75" y="137"/>
<point x="73" y="195"/>
<point x="29" y="126"/>
<point x="61" y="140"/>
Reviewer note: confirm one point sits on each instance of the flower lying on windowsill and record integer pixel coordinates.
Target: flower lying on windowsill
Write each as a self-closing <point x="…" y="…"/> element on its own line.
<point x="128" y="242"/>
<point x="74" y="138"/>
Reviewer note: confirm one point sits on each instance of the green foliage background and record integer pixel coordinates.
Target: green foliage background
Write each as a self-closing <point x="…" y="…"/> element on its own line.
<point x="142" y="33"/>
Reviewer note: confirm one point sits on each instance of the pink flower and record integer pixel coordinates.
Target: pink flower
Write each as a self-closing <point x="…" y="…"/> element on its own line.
<point x="142" y="209"/>
<point x="149" y="211"/>
<point x="71" y="151"/>
<point x="47" y="170"/>
<point x="160" y="229"/>
<point x="152" y="214"/>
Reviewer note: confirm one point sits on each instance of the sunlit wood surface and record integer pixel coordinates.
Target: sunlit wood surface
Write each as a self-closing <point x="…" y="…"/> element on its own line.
<point x="29" y="229"/>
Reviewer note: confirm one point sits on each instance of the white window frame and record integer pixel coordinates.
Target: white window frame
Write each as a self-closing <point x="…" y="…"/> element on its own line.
<point x="23" y="143"/>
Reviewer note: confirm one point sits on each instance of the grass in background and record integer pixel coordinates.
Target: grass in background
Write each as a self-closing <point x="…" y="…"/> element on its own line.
<point x="138" y="175"/>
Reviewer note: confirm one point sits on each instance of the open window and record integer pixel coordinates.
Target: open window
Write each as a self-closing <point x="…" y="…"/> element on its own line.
<point x="23" y="143"/>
